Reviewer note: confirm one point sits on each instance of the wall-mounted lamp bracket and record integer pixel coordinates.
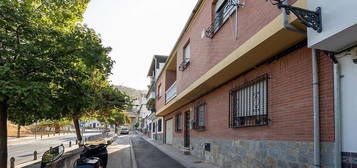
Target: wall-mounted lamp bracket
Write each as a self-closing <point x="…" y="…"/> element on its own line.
<point x="309" y="18"/>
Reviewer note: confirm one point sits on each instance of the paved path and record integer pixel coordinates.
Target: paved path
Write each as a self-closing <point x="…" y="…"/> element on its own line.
<point x="148" y="156"/>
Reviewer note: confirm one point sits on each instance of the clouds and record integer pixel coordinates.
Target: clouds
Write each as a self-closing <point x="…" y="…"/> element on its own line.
<point x="136" y="30"/>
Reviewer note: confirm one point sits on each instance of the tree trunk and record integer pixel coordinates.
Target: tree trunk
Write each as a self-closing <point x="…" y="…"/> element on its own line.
<point x="18" y="131"/>
<point x="3" y="133"/>
<point x="78" y="130"/>
<point x="57" y="129"/>
<point x="116" y="128"/>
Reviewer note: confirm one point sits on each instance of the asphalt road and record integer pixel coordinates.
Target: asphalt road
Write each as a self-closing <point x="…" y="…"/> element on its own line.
<point x="22" y="149"/>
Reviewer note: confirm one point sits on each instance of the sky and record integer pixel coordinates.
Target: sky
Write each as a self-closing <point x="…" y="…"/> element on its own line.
<point x="136" y="30"/>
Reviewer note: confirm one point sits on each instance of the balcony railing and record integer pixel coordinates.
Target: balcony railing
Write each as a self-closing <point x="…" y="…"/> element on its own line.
<point x="171" y="92"/>
<point x="221" y="17"/>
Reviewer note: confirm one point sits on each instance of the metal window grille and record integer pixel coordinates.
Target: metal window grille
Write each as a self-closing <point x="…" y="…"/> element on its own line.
<point x="200" y="116"/>
<point x="159" y="125"/>
<point x="249" y="103"/>
<point x="221" y="16"/>
<point x="178" y="122"/>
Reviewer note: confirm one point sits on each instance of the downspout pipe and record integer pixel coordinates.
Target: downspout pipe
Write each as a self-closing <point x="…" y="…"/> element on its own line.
<point x="316" y="109"/>
<point x="287" y="25"/>
<point x="337" y="109"/>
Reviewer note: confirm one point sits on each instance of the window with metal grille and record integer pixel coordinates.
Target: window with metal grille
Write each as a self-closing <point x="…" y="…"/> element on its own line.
<point x="249" y="103"/>
<point x="222" y="10"/>
<point x="159" y="125"/>
<point x="200" y="116"/>
<point x="178" y="122"/>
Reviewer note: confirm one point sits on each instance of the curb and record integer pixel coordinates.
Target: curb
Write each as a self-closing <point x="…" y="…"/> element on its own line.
<point x="132" y="154"/>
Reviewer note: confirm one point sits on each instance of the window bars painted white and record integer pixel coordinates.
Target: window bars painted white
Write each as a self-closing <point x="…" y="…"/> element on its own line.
<point x="249" y="103"/>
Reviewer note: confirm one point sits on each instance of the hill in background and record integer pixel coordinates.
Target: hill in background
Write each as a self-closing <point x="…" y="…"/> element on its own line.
<point x="133" y="93"/>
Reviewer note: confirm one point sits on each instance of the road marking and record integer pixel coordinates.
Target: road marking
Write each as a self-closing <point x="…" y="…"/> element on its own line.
<point x="132" y="154"/>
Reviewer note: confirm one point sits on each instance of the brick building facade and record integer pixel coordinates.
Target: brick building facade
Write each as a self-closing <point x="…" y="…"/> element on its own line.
<point x="243" y="92"/>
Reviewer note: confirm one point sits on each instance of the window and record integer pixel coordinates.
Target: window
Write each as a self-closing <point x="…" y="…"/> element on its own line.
<point x="222" y="10"/>
<point x="178" y="122"/>
<point x="187" y="52"/>
<point x="159" y="125"/>
<point x="186" y="57"/>
<point x="159" y="91"/>
<point x="200" y="116"/>
<point x="153" y="127"/>
<point x="249" y="103"/>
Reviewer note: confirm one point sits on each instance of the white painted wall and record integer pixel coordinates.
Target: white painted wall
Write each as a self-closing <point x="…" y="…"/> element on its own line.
<point x="349" y="102"/>
<point x="339" y="25"/>
<point x="169" y="131"/>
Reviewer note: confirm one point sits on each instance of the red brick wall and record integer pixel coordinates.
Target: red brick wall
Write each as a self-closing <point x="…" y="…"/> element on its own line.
<point x="205" y="52"/>
<point x="289" y="105"/>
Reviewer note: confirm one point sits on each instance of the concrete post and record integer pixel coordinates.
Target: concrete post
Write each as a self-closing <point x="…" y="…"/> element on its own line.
<point x="35" y="155"/>
<point x="12" y="162"/>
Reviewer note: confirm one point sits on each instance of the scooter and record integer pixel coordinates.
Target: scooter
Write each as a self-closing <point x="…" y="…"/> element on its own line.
<point x="93" y="156"/>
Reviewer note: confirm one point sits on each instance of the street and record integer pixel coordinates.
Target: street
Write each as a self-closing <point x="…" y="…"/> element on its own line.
<point x="22" y="149"/>
<point x="146" y="155"/>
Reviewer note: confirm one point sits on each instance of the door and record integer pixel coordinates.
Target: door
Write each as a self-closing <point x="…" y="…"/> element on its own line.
<point x="169" y="131"/>
<point x="348" y="103"/>
<point x="187" y="129"/>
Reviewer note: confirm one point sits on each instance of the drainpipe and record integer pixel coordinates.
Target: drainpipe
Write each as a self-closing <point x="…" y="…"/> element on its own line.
<point x="287" y="25"/>
<point x="337" y="109"/>
<point x="316" y="109"/>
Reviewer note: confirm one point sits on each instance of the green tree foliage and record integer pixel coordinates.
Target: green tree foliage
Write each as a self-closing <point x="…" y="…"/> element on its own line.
<point x="47" y="60"/>
<point x="111" y="105"/>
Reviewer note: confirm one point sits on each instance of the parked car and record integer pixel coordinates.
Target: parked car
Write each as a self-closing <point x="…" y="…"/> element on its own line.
<point x="124" y="130"/>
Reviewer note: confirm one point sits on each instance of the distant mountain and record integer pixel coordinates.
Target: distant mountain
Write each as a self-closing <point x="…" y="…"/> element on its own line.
<point x="133" y="93"/>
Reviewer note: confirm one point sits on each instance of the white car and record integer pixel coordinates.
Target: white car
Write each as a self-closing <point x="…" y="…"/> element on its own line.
<point x="124" y="130"/>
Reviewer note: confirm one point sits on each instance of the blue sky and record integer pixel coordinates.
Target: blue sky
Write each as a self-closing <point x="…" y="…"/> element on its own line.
<point x="136" y="30"/>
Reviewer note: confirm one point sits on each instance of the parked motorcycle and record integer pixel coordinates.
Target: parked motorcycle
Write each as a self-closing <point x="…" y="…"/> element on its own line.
<point x="93" y="156"/>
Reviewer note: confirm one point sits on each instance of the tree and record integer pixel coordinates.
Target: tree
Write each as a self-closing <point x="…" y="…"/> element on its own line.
<point x="117" y="118"/>
<point x="40" y="43"/>
<point x="111" y="106"/>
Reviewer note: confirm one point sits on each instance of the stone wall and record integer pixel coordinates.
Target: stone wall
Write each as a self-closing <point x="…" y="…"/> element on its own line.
<point x="258" y="154"/>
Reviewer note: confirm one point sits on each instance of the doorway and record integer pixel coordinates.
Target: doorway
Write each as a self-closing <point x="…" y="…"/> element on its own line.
<point x="187" y="129"/>
<point x="169" y="131"/>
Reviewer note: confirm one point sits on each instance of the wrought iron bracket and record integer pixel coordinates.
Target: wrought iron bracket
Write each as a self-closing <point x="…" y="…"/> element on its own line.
<point x="309" y="18"/>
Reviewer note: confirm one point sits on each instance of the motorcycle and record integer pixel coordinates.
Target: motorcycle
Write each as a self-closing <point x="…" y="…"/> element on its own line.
<point x="92" y="156"/>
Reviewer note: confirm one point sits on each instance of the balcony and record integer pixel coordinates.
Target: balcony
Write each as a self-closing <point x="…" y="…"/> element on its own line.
<point x="171" y="92"/>
<point x="221" y="17"/>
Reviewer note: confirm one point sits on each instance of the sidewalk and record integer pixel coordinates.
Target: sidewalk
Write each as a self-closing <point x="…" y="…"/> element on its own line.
<point x="187" y="161"/>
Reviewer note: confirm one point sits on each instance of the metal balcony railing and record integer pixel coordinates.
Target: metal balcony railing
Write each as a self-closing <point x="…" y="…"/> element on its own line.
<point x="221" y="17"/>
<point x="171" y="92"/>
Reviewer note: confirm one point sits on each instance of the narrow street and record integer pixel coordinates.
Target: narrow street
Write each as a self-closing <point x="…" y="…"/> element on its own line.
<point x="146" y="155"/>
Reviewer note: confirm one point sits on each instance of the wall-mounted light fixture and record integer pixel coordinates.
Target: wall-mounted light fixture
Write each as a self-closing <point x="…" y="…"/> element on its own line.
<point x="309" y="18"/>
